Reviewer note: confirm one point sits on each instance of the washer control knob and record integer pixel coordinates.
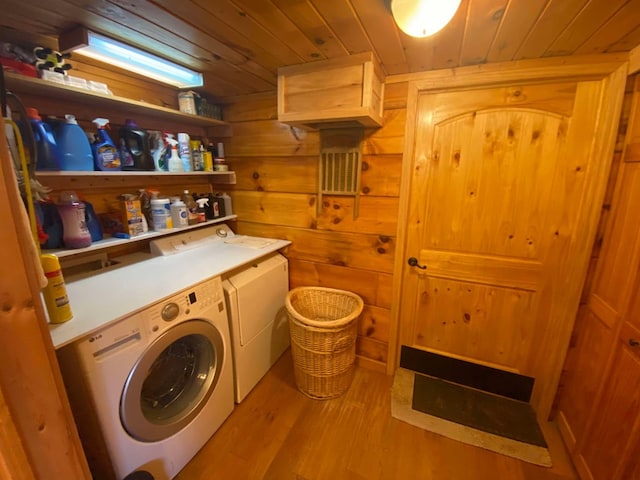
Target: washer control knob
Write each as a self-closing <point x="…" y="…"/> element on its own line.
<point x="170" y="311"/>
<point x="221" y="232"/>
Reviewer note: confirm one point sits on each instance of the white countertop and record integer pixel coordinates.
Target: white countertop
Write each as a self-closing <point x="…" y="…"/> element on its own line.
<point x="108" y="297"/>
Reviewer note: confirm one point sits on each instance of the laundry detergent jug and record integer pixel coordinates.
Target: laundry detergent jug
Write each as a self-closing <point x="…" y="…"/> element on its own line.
<point x="135" y="151"/>
<point x="47" y="152"/>
<point x="74" y="146"/>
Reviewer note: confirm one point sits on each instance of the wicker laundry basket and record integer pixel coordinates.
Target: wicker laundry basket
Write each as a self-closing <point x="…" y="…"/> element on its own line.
<point x="323" y="327"/>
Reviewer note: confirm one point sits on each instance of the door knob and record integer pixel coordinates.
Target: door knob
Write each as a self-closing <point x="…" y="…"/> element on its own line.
<point x="413" y="262"/>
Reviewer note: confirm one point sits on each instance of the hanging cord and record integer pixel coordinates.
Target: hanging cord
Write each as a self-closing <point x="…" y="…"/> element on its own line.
<point x="28" y="133"/>
<point x="27" y="184"/>
<point x="3" y="94"/>
<point x="30" y="189"/>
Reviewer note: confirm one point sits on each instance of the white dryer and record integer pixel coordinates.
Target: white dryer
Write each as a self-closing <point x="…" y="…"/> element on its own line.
<point x="151" y="389"/>
<point x="255" y="295"/>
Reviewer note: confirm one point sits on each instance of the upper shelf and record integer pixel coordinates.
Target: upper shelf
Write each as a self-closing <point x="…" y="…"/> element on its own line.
<point x="36" y="86"/>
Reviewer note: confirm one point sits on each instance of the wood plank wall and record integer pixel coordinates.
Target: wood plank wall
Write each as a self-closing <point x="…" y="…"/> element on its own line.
<point x="276" y="194"/>
<point x="604" y="218"/>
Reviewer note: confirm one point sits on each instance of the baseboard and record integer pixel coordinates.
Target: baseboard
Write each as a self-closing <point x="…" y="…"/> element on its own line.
<point x="566" y="433"/>
<point x="481" y="377"/>
<point x="370" y="364"/>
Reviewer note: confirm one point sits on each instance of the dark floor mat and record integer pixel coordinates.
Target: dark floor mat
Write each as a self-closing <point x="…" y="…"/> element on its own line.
<point x="487" y="412"/>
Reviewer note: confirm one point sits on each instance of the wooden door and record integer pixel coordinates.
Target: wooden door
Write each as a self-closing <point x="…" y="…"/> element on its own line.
<point x="610" y="450"/>
<point x="505" y="191"/>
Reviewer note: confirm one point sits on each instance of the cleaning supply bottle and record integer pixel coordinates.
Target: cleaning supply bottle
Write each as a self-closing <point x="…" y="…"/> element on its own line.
<point x="74" y="146"/>
<point x="184" y="150"/>
<point x="227" y="203"/>
<point x="203" y="203"/>
<point x="179" y="214"/>
<point x="196" y="155"/>
<point x="192" y="207"/>
<point x="75" y="233"/>
<point x="175" y="162"/>
<point x="145" y="206"/>
<point x="135" y="145"/>
<point x="47" y="152"/>
<point x="55" y="293"/>
<point x="207" y="159"/>
<point x="93" y="224"/>
<point x="105" y="153"/>
<point x="158" y="150"/>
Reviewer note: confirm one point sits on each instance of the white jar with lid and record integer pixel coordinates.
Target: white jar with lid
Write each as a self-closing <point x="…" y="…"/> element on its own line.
<point x="161" y="214"/>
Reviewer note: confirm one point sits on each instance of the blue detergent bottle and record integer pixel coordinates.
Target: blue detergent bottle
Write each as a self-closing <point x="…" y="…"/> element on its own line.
<point x="47" y="153"/>
<point x="105" y="153"/>
<point x="74" y="146"/>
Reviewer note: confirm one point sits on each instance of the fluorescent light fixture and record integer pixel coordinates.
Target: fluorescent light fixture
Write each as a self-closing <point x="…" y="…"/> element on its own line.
<point x="421" y="18"/>
<point x="121" y="55"/>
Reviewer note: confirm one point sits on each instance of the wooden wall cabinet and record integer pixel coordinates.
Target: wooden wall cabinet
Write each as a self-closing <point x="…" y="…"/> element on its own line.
<point x="599" y="405"/>
<point x="340" y="92"/>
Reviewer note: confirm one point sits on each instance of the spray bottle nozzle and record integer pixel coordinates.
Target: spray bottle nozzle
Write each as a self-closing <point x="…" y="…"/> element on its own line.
<point x="172" y="141"/>
<point x="101" y="122"/>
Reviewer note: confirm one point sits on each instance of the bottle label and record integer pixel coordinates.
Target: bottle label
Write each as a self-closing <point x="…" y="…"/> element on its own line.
<point x="108" y="156"/>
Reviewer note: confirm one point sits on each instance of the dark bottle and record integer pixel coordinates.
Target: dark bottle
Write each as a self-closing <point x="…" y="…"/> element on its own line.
<point x="135" y="149"/>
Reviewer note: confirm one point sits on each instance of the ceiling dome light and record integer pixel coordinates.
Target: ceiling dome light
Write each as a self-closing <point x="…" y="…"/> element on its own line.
<point x="421" y="18"/>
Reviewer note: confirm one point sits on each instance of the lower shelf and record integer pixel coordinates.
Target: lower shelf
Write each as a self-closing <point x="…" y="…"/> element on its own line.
<point x="112" y="242"/>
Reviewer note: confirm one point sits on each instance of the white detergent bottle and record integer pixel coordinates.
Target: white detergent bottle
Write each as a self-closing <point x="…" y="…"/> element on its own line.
<point x="175" y="162"/>
<point x="227" y="204"/>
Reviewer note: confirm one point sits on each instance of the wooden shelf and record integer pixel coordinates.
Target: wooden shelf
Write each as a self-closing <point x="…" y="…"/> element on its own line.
<point x="36" y="86"/>
<point x="217" y="177"/>
<point x="112" y="242"/>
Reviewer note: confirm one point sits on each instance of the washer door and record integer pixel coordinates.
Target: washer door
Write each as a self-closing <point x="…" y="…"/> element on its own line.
<point x="172" y="381"/>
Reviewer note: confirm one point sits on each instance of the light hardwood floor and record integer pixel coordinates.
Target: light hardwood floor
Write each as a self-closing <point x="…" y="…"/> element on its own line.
<point x="280" y="434"/>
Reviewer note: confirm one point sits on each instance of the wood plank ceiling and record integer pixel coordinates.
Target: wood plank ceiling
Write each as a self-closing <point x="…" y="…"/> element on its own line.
<point x="240" y="44"/>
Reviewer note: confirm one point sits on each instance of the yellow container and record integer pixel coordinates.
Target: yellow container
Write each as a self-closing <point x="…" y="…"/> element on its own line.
<point x="55" y="293"/>
<point x="207" y="159"/>
<point x="132" y="216"/>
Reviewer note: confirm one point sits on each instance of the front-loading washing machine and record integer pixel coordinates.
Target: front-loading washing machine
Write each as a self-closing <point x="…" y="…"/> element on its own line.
<point x="148" y="391"/>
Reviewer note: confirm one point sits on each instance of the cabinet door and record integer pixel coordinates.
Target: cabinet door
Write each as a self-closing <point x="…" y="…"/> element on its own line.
<point x="597" y="323"/>
<point x="609" y="449"/>
<point x="585" y="371"/>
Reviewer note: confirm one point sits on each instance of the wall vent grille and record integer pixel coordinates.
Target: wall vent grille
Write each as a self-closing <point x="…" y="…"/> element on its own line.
<point x="340" y="165"/>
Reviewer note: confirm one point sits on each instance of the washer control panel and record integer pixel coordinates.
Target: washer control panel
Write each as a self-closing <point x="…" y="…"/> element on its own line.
<point x="192" y="303"/>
